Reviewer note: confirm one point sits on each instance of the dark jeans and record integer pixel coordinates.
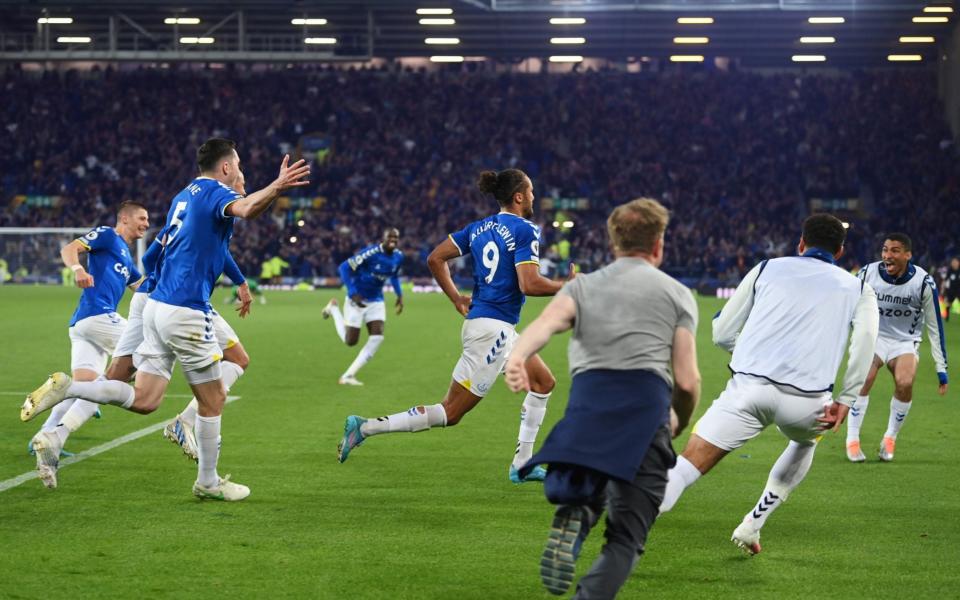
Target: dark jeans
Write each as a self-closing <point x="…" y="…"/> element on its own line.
<point x="631" y="510"/>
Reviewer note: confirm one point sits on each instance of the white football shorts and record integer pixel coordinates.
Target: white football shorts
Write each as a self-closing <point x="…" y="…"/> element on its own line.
<point x="888" y="349"/>
<point x="176" y="333"/>
<point x="486" y="346"/>
<point x="749" y="404"/>
<point x="133" y="332"/>
<point x="356" y="316"/>
<point x="93" y="339"/>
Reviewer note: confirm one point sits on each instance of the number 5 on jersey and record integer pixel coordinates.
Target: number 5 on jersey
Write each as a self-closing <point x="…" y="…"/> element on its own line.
<point x="175" y="222"/>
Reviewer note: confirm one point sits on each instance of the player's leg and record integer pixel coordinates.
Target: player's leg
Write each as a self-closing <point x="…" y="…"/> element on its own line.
<point x="631" y="511"/>
<point x="796" y="416"/>
<point x="211" y="396"/>
<point x="353" y="318"/>
<point x="731" y="421"/>
<point x="904" y="369"/>
<point x="532" y="412"/>
<point x="332" y="309"/>
<point x="375" y="316"/>
<point x="472" y="378"/>
<point x="858" y="411"/>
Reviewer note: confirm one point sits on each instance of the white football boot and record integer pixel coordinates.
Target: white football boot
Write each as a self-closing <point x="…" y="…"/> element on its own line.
<point x="225" y="490"/>
<point x="47" y="446"/>
<point x="746" y="538"/>
<point x="349" y="380"/>
<point x="52" y="392"/>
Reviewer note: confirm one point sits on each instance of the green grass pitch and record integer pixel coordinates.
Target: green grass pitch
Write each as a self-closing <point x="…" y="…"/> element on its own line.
<point x="432" y="515"/>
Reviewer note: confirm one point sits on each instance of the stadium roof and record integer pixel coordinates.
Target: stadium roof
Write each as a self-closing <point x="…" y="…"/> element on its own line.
<point x="758" y="33"/>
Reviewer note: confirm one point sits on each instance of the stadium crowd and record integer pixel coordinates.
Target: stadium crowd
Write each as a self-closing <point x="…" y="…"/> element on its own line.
<point x="736" y="156"/>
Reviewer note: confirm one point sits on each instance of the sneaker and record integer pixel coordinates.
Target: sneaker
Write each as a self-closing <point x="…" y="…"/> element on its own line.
<point x="352" y="437"/>
<point x="47" y="446"/>
<point x="854" y="453"/>
<point x="63" y="453"/>
<point x="225" y="490"/>
<point x="886" y="448"/>
<point x="52" y="392"/>
<point x="558" y="562"/>
<point x="349" y="380"/>
<point x="746" y="538"/>
<point x="537" y="474"/>
<point x="180" y="434"/>
<point x="328" y="308"/>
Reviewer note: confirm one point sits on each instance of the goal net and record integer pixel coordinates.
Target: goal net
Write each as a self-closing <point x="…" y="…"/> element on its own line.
<point x="32" y="254"/>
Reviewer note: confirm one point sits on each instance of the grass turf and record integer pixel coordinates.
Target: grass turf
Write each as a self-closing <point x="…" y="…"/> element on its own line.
<point x="431" y="515"/>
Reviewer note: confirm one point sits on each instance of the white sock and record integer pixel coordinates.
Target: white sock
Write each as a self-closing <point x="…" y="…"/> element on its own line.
<point x="531" y="417"/>
<point x="786" y="474"/>
<point x="79" y="413"/>
<point x="898" y="414"/>
<point x="208" y="450"/>
<point x="231" y="372"/>
<point x="338" y="322"/>
<point x="366" y="353"/>
<point x="412" y="420"/>
<point x="679" y="478"/>
<point x="116" y="393"/>
<point x="56" y="414"/>
<point x="855" y="419"/>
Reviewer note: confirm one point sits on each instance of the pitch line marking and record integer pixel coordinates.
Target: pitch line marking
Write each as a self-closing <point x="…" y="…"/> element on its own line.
<point x="136" y="435"/>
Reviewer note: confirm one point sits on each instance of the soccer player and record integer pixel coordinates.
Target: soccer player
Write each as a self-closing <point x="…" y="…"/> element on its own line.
<point x="364" y="275"/>
<point x="95" y="326"/>
<point x="906" y="295"/>
<point x="177" y="318"/>
<point x="786" y="325"/>
<point x="505" y="249"/>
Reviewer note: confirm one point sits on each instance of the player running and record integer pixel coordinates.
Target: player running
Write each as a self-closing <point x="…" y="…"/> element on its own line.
<point x="786" y="325"/>
<point x="906" y="295"/>
<point x="364" y="275"/>
<point x="95" y="326"/>
<point x="177" y="318"/>
<point x="506" y="255"/>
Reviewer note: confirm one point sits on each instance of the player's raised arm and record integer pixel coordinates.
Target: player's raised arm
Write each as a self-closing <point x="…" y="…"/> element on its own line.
<point x="256" y="203"/>
<point x="938" y="342"/>
<point x="863" y="338"/>
<point x="731" y="319"/>
<point x="437" y="262"/>
<point x="70" y="254"/>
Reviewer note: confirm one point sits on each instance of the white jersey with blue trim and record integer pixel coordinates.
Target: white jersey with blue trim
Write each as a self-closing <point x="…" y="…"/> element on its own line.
<point x="907" y="303"/>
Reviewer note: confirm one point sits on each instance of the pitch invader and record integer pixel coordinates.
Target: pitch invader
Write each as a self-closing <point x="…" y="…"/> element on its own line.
<point x="908" y="300"/>
<point x="364" y="274"/>
<point x="95" y="326"/>
<point x="506" y="255"/>
<point x="177" y="319"/>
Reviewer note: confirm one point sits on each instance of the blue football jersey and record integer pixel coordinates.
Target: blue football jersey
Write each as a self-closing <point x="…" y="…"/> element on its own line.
<point x="366" y="272"/>
<point x="113" y="269"/>
<point x="198" y="233"/>
<point x="498" y="244"/>
<point x="152" y="259"/>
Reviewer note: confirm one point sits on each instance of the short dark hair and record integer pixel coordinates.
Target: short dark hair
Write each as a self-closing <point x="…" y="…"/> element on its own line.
<point x="902" y="238"/>
<point x="825" y="232"/>
<point x="502" y="185"/>
<point x="213" y="151"/>
<point x="128" y="206"/>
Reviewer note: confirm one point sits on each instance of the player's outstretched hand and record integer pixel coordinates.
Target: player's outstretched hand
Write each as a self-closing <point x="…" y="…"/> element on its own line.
<point x="84" y="279"/>
<point x="833" y="417"/>
<point x="245" y="298"/>
<point x="463" y="305"/>
<point x="399" y="304"/>
<point x="515" y="374"/>
<point x="291" y="175"/>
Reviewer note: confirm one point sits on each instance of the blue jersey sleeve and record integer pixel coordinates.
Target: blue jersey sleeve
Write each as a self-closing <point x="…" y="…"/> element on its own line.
<point x="151" y="257"/>
<point x="528" y="245"/>
<point x="232" y="270"/>
<point x="135" y="276"/>
<point x="222" y="198"/>
<point x="461" y="240"/>
<point x="348" y="276"/>
<point x="96" y="240"/>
